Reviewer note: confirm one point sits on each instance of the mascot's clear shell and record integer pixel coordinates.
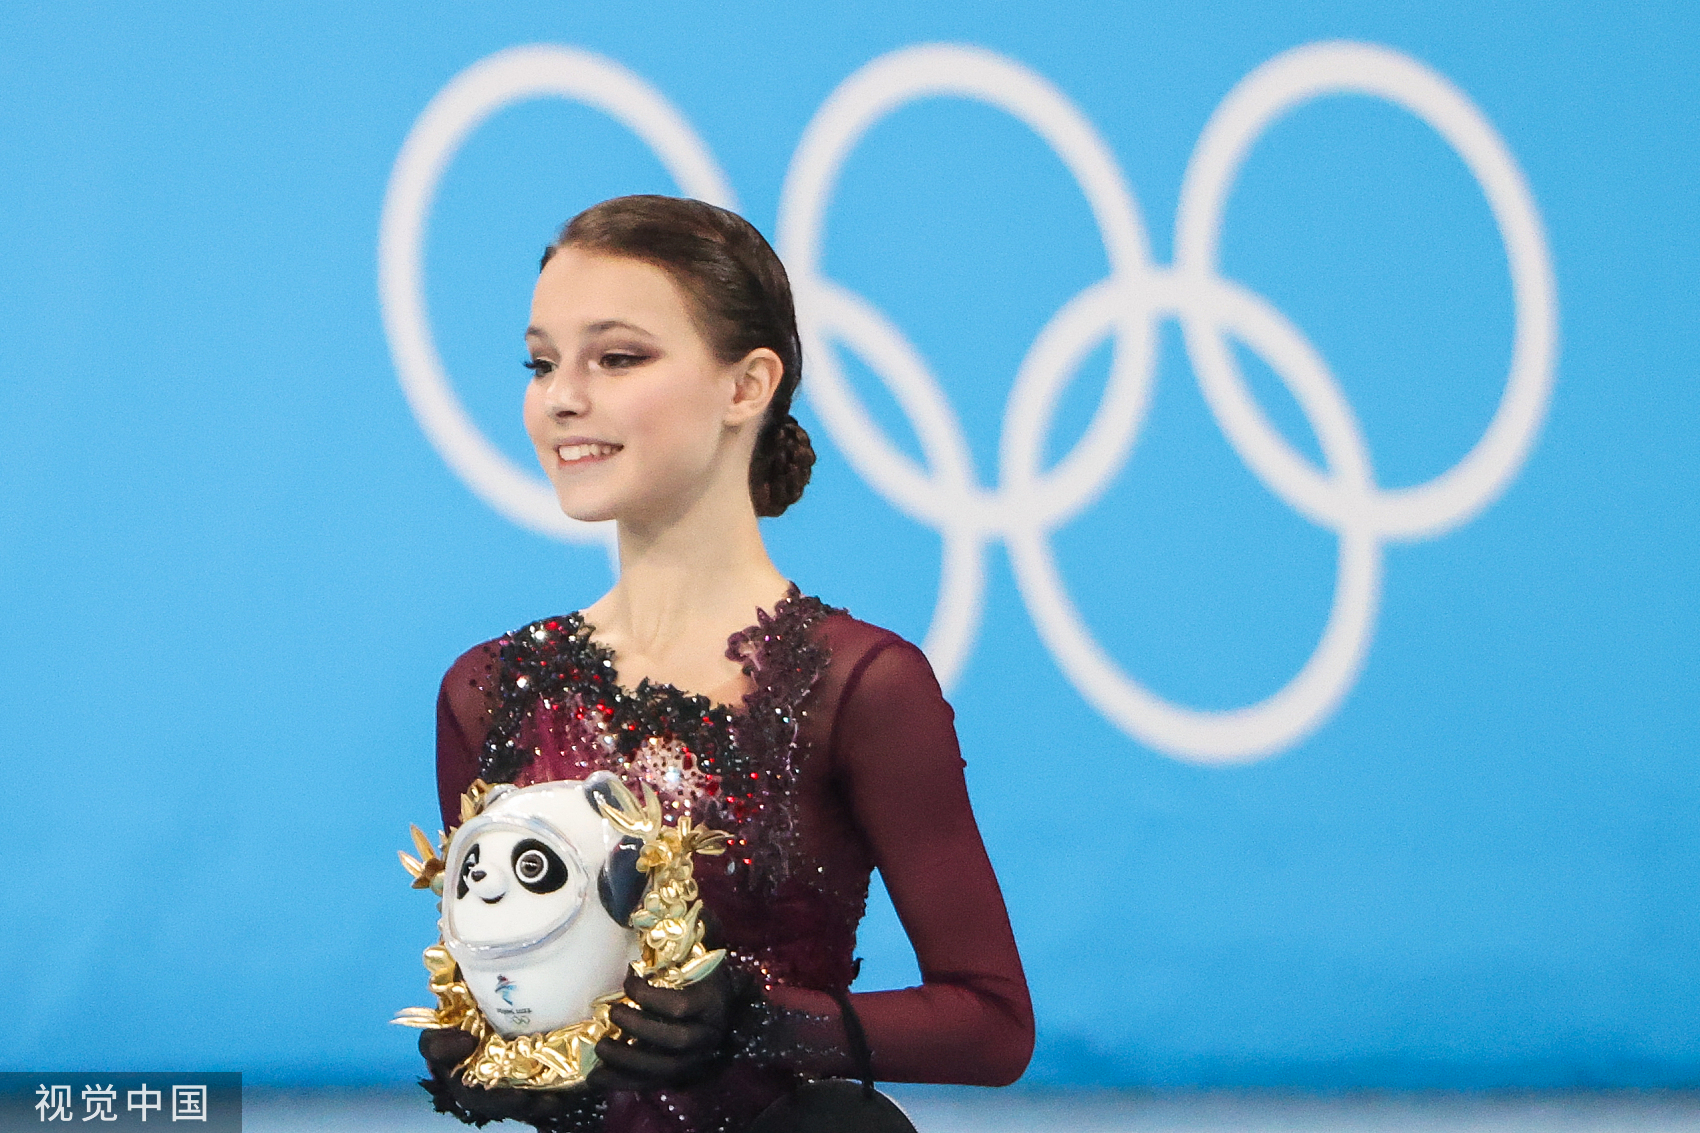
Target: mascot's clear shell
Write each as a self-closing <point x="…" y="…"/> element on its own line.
<point x="551" y="894"/>
<point x="538" y="893"/>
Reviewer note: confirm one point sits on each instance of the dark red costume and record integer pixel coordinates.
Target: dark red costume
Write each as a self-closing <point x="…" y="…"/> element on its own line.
<point x="842" y="759"/>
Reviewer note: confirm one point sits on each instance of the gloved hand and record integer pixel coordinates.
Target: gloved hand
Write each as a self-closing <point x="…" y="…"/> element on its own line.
<point x="673" y="1037"/>
<point x="445" y="1048"/>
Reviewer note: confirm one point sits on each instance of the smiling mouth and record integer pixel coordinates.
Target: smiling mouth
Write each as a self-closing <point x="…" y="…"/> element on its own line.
<point x="581" y="454"/>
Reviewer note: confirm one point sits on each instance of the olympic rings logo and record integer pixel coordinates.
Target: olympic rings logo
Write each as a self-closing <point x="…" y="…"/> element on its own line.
<point x="1029" y="501"/>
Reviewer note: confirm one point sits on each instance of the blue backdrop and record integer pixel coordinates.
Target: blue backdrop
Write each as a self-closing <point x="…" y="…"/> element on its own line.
<point x="1456" y="844"/>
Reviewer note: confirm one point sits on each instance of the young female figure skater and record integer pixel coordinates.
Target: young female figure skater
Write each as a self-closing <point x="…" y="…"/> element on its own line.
<point x="664" y="358"/>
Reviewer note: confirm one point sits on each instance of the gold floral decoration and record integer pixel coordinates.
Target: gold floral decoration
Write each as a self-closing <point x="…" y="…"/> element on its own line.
<point x="670" y="950"/>
<point x="427" y="868"/>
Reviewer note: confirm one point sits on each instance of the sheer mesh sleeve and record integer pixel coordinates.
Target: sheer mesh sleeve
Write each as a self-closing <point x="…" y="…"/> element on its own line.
<point x="895" y="759"/>
<point x="463" y="717"/>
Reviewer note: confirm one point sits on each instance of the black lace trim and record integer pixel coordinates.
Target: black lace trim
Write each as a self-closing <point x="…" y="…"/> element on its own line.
<point x="553" y="658"/>
<point x="747" y="756"/>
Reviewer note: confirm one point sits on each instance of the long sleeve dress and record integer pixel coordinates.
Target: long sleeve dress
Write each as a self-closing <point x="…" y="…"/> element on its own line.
<point x="842" y="759"/>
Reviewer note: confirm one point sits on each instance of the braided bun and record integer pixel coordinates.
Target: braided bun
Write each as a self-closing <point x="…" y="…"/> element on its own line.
<point x="780" y="467"/>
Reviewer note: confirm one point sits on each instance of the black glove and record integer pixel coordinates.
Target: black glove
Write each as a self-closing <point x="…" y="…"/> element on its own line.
<point x="673" y="1037"/>
<point x="445" y="1048"/>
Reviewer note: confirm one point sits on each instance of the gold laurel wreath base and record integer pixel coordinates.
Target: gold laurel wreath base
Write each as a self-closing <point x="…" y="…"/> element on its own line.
<point x="670" y="950"/>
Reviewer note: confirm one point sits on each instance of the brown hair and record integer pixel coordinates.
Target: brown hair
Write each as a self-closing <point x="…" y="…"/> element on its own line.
<point x="741" y="299"/>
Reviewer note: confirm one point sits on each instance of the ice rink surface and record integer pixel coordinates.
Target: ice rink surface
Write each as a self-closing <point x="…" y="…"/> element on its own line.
<point x="950" y="1110"/>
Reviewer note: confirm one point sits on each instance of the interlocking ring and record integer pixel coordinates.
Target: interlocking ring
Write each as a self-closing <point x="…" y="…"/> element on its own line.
<point x="518" y="74"/>
<point x="1029" y="501"/>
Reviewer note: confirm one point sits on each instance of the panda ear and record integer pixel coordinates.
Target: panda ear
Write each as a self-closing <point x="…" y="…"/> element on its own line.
<point x="600" y="786"/>
<point x="620" y="883"/>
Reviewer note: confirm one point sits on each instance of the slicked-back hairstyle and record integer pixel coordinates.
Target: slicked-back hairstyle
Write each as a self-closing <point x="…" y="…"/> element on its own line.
<point x="740" y="297"/>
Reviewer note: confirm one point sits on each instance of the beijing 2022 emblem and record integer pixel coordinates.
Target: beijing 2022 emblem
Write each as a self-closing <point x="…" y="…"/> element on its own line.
<point x="550" y="894"/>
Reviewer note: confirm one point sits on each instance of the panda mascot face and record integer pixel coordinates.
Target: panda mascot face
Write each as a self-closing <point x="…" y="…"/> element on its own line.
<point x="538" y="892"/>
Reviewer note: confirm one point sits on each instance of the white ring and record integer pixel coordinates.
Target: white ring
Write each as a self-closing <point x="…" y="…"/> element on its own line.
<point x="1317" y="689"/>
<point x="517" y="74"/>
<point x="1274" y="89"/>
<point x="948" y="494"/>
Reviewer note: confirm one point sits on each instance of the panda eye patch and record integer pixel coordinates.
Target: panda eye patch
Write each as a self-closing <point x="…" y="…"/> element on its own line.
<point x="537" y="867"/>
<point x="466" y="868"/>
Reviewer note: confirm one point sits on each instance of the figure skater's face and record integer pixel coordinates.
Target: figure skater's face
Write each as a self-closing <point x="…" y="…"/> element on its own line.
<point x="631" y="413"/>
